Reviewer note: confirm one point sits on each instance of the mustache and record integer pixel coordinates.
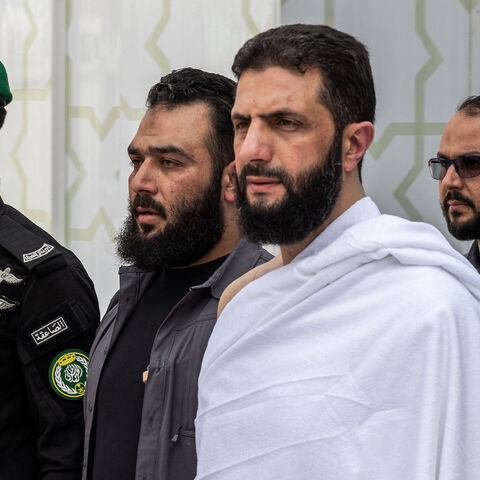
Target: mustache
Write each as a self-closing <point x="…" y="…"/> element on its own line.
<point x="146" y="201"/>
<point x="261" y="170"/>
<point x="455" y="195"/>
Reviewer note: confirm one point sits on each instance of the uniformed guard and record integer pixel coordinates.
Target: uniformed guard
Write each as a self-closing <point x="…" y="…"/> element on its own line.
<point x="48" y="316"/>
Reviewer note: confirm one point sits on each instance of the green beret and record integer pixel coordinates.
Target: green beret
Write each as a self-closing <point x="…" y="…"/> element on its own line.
<point x="4" y="88"/>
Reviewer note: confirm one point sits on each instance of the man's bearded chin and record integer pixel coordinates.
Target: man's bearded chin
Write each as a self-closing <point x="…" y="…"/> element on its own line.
<point x="467" y="230"/>
<point x="308" y="201"/>
<point x="194" y="226"/>
<point x="149" y="203"/>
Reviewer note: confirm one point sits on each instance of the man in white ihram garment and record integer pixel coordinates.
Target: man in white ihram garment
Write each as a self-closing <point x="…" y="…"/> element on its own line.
<point x="355" y="354"/>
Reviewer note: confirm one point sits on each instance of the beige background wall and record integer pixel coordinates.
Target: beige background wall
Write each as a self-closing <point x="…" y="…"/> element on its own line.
<point x="80" y="71"/>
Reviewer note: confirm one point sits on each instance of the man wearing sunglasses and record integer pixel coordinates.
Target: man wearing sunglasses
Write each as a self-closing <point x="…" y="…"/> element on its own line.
<point x="457" y="168"/>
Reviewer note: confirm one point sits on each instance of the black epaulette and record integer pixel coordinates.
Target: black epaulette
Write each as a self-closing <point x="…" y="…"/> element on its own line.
<point x="31" y="250"/>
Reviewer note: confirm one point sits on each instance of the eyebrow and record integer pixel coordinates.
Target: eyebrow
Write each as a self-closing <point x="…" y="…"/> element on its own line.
<point x="466" y="154"/>
<point x="239" y="116"/>
<point x="166" y="149"/>
<point x="274" y="114"/>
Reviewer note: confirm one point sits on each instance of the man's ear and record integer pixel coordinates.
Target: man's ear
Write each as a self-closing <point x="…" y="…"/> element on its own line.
<point x="357" y="137"/>
<point x="229" y="186"/>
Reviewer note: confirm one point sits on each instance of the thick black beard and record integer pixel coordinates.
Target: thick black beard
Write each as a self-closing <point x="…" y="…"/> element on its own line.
<point x="461" y="231"/>
<point x="196" y="226"/>
<point x="309" y="200"/>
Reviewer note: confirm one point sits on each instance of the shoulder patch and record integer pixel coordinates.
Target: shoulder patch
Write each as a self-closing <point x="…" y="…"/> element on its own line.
<point x="6" y="304"/>
<point x="40" y="252"/>
<point x="67" y="374"/>
<point x="48" y="331"/>
<point x="9" y="277"/>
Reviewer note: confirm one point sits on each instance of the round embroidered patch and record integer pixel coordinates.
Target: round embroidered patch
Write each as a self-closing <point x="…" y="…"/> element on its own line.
<point x="68" y="373"/>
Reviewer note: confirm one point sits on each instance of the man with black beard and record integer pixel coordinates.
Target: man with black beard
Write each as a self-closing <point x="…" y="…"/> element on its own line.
<point x="355" y="353"/>
<point x="457" y="167"/>
<point x="300" y="212"/>
<point x="184" y="246"/>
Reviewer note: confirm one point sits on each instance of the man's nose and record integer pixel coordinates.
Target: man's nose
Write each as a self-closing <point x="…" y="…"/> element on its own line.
<point x="452" y="180"/>
<point x="255" y="147"/>
<point x="143" y="179"/>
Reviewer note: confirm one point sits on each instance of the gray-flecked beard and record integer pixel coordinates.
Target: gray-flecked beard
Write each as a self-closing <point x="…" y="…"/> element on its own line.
<point x="307" y="204"/>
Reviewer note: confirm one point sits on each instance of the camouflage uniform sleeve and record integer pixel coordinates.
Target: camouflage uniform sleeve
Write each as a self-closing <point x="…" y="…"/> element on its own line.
<point x="57" y="322"/>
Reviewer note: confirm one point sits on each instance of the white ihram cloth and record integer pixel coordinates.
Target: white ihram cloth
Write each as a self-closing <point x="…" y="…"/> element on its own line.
<point x="358" y="360"/>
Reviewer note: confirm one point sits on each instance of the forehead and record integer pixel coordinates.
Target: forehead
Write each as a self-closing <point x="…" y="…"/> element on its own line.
<point x="277" y="88"/>
<point x="461" y="135"/>
<point x="185" y="125"/>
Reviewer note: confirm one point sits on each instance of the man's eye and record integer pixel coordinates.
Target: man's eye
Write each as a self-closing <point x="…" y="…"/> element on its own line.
<point x="240" y="126"/>
<point x="135" y="163"/>
<point x="287" y="123"/>
<point x="473" y="161"/>
<point x="169" y="163"/>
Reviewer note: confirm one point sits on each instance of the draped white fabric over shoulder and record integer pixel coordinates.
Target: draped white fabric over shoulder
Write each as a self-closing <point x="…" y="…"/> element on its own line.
<point x="358" y="360"/>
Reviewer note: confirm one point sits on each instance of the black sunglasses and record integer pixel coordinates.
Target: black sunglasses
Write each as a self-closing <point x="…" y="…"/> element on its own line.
<point x="466" y="166"/>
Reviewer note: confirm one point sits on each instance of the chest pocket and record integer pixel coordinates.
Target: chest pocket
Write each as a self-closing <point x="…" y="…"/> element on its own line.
<point x="187" y="353"/>
<point x="186" y="356"/>
<point x="183" y="457"/>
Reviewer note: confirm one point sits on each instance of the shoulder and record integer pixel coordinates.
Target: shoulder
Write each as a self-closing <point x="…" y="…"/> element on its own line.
<point x="249" y="254"/>
<point x="52" y="274"/>
<point x="250" y="276"/>
<point x="264" y="257"/>
<point x="31" y="246"/>
<point x="421" y="295"/>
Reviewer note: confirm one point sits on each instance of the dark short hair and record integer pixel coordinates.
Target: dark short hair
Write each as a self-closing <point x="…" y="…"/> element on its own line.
<point x="348" y="89"/>
<point x="189" y="85"/>
<point x="470" y="106"/>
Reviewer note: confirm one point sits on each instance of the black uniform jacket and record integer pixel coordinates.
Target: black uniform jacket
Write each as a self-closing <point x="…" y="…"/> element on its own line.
<point x="166" y="447"/>
<point x="48" y="316"/>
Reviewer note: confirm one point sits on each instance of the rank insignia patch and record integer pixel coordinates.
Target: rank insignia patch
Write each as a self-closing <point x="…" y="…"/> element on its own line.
<point x="6" y="304"/>
<point x="9" y="278"/>
<point x="50" y="330"/>
<point x="68" y="373"/>
<point x="41" y="252"/>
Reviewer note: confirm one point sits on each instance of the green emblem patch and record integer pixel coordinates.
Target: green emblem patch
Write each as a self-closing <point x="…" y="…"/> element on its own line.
<point x="68" y="373"/>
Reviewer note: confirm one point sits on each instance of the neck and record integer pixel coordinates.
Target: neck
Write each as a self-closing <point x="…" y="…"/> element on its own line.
<point x="227" y="243"/>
